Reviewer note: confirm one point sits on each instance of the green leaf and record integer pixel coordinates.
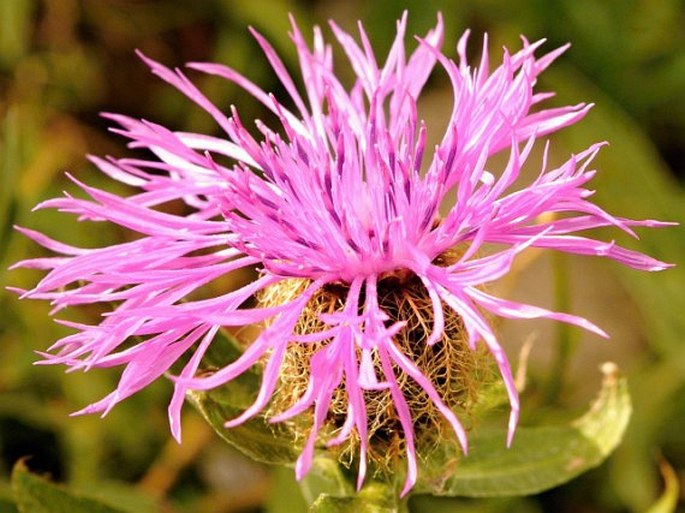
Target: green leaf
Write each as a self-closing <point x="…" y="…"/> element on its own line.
<point x="540" y="457"/>
<point x="284" y="495"/>
<point x="375" y="497"/>
<point x="256" y="438"/>
<point x="325" y="478"/>
<point x="35" y="494"/>
<point x="433" y="504"/>
<point x="668" y="502"/>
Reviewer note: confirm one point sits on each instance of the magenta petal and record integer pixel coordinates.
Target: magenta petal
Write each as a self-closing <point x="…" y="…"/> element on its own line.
<point x="405" y="420"/>
<point x="407" y="366"/>
<point x="513" y="310"/>
<point x="179" y="390"/>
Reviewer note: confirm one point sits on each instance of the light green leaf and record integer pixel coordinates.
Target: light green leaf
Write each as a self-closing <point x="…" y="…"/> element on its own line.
<point x="325" y="478"/>
<point x="668" y="502"/>
<point x="540" y="457"/>
<point x="373" y="498"/>
<point x="284" y="494"/>
<point x="34" y="494"/>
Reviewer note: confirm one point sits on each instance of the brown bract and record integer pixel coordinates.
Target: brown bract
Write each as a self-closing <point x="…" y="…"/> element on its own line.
<point x="456" y="372"/>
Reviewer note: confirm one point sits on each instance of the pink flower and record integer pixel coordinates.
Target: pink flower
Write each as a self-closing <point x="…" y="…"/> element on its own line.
<point x="343" y="191"/>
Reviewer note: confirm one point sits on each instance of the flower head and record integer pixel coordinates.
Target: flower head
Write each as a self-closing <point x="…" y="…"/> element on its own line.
<point x="339" y="206"/>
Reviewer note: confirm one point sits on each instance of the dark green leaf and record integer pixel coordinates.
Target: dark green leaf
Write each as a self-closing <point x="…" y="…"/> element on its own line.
<point x="257" y="438"/>
<point x="35" y="494"/>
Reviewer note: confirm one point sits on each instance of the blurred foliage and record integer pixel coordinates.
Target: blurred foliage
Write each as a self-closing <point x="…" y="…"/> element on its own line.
<point x="37" y="495"/>
<point x="63" y="61"/>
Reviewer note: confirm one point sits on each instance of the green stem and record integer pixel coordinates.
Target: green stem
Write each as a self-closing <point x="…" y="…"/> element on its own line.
<point x="566" y="341"/>
<point x="327" y="488"/>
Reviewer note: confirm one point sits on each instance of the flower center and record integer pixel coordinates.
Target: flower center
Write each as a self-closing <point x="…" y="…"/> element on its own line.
<point x="452" y="367"/>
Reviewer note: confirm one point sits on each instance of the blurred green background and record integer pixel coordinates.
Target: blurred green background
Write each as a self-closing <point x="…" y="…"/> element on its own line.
<point x="64" y="61"/>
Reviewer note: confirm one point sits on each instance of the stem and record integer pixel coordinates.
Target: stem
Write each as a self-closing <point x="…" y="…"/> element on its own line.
<point x="566" y="340"/>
